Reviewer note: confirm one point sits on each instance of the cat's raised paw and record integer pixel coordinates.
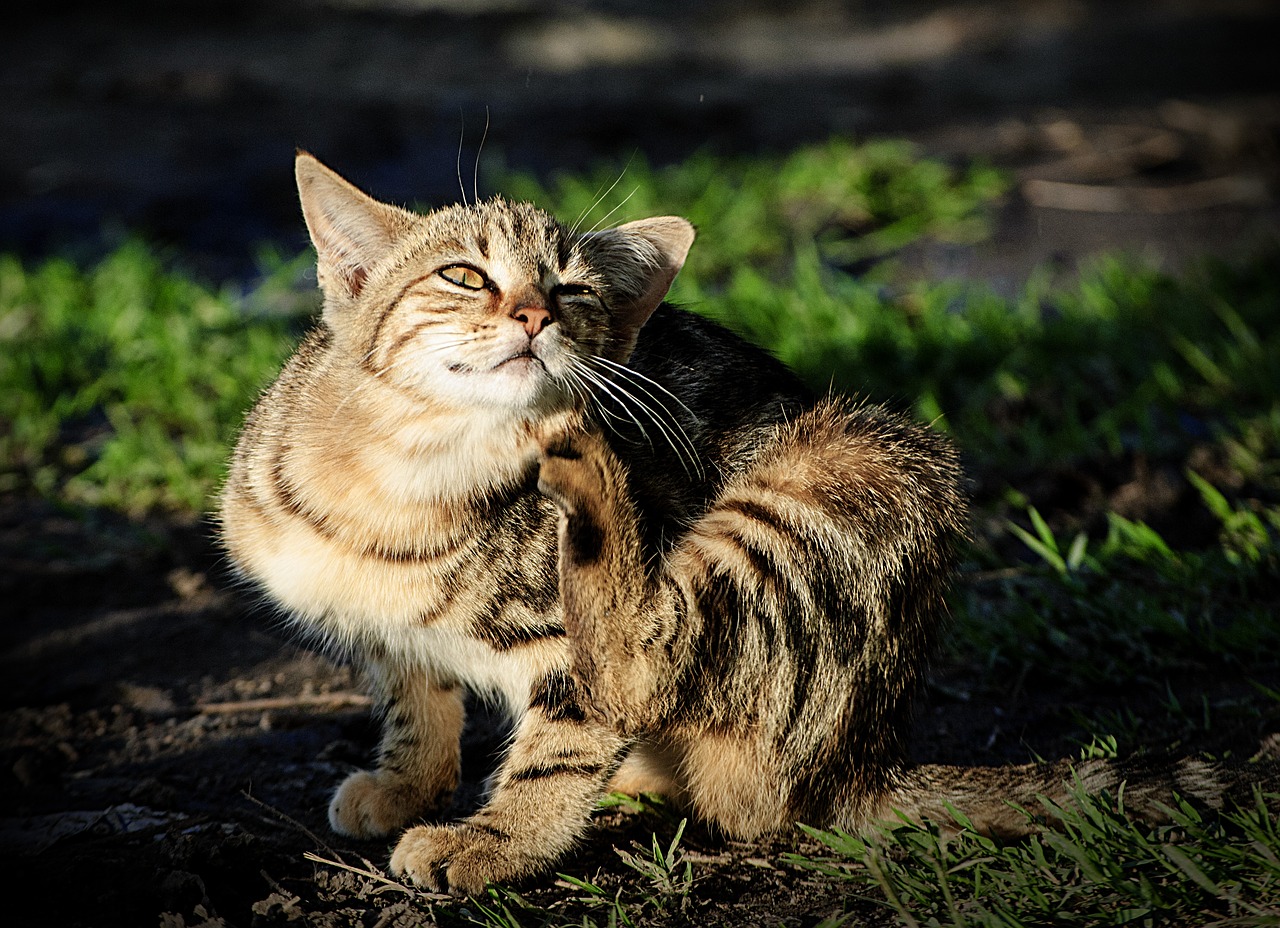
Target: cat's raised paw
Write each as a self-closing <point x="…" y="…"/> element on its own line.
<point x="373" y="804"/>
<point x="573" y="470"/>
<point x="459" y="859"/>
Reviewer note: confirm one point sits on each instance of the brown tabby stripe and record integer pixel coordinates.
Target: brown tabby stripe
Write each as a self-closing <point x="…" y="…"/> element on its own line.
<point x="252" y="501"/>
<point x="762" y="517"/>
<point x="585" y="539"/>
<point x="558" y="697"/>
<point x="828" y="594"/>
<point x="287" y="497"/>
<point x="412" y="555"/>
<point x="367" y="359"/>
<point x="400" y="757"/>
<point x="519" y="503"/>
<point x="756" y="512"/>
<point x="804" y="658"/>
<point x="790" y="592"/>
<point x="556" y="770"/>
<point x="450" y="581"/>
<point x="724" y="616"/>
<point x="507" y="637"/>
<point x="488" y="830"/>
<point x="536" y="592"/>
<point x="405" y="337"/>
<point x="772" y="577"/>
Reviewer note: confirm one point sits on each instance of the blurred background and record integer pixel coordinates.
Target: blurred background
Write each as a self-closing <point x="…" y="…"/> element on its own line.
<point x="1138" y="125"/>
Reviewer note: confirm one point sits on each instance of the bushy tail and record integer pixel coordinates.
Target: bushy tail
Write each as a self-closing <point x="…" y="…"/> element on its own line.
<point x="987" y="796"/>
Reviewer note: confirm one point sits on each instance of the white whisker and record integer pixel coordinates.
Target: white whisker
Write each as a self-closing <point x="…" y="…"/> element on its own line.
<point x="445" y="346"/>
<point x="579" y="388"/>
<point x="573" y="230"/>
<point x="462" y="134"/>
<point x="617" y="395"/>
<point x="606" y="216"/>
<point x="672" y="431"/>
<point x="575" y="376"/>
<point x="672" y="426"/>
<point x="461" y="340"/>
<point x="475" y="179"/>
<point x="635" y="374"/>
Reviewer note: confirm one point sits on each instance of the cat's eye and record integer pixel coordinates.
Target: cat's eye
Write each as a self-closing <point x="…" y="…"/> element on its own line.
<point x="572" y="290"/>
<point x="463" y="276"/>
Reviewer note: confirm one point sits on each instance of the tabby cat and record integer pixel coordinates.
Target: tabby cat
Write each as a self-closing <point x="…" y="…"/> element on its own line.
<point x="502" y="463"/>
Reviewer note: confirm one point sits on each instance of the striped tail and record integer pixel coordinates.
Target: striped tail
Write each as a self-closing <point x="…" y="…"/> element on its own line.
<point x="991" y="797"/>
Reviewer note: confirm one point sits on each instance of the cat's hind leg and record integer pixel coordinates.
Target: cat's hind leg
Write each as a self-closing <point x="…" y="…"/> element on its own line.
<point x="787" y="630"/>
<point x="650" y="768"/>
<point x="614" y="610"/>
<point x="419" y="758"/>
<point x="737" y="783"/>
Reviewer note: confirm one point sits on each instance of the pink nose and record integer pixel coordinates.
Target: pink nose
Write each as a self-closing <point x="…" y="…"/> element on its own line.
<point x="533" y="318"/>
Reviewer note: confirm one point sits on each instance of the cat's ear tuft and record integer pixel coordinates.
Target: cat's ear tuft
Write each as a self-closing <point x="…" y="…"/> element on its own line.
<point x="351" y="231"/>
<point x="661" y="245"/>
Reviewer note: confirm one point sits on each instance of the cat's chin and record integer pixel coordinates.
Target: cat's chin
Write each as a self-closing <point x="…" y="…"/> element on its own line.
<point x="519" y="385"/>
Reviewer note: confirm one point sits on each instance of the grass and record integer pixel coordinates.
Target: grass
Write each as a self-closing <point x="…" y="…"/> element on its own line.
<point x="1128" y="361"/>
<point x="653" y="881"/>
<point x="1099" y="617"/>
<point x="852" y="203"/>
<point x="122" y="385"/>
<point x="1094" y="866"/>
<point x="660" y="880"/>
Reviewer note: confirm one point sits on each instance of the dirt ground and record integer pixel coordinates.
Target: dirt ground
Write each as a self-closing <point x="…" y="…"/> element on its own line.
<point x="166" y="752"/>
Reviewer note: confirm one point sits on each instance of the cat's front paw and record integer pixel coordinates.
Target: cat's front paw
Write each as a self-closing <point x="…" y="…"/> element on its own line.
<point x="373" y="804"/>
<point x="460" y="859"/>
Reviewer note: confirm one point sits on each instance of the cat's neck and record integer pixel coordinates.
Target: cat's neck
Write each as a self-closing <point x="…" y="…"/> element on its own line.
<point x="414" y="452"/>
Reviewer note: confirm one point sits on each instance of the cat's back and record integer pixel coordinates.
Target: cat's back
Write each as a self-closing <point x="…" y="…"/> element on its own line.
<point x="721" y="377"/>
<point x="698" y="404"/>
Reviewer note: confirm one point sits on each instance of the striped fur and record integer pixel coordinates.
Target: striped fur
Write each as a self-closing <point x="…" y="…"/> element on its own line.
<point x="775" y="650"/>
<point x="501" y="464"/>
<point x="993" y="796"/>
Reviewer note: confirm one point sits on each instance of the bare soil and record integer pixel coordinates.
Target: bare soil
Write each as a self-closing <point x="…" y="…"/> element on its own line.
<point x="166" y="753"/>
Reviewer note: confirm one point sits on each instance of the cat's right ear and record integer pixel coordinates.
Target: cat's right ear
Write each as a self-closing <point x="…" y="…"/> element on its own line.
<point x="350" y="229"/>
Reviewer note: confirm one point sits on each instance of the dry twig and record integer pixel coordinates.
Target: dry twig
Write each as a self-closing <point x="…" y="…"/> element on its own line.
<point x="273" y="703"/>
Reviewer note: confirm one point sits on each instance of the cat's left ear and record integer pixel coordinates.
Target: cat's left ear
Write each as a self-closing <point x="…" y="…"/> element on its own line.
<point x="658" y="249"/>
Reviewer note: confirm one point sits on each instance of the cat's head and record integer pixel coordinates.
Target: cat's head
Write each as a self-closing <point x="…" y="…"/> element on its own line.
<point x="493" y="304"/>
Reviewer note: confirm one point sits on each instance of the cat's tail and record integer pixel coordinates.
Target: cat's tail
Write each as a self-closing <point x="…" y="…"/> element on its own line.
<point x="992" y="798"/>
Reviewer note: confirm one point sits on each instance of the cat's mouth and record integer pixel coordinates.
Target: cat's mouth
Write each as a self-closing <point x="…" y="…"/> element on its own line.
<point x="525" y="358"/>
<point x="519" y="360"/>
